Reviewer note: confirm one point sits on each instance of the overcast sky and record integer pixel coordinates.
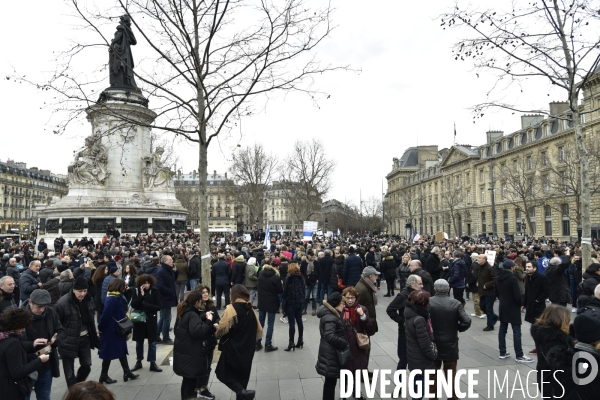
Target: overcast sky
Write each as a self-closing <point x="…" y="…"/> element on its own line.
<point x="410" y="91"/>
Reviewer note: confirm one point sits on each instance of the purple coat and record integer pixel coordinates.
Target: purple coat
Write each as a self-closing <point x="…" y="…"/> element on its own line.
<point x="361" y="357"/>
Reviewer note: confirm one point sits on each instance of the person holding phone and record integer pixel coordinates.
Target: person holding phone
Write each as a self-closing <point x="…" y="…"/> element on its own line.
<point x="14" y="362"/>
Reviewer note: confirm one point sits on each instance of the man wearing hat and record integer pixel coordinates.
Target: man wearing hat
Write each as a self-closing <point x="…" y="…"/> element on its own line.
<point x="509" y="295"/>
<point x="76" y="313"/>
<point x="43" y="336"/>
<point x="367" y="295"/>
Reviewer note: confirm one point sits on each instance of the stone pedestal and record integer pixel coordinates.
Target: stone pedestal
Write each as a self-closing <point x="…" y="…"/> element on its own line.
<point x="116" y="178"/>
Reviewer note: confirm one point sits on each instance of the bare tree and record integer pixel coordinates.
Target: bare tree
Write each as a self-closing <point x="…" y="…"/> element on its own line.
<point x="305" y="179"/>
<point x="520" y="185"/>
<point x="209" y="65"/>
<point x="452" y="199"/>
<point x="551" y="40"/>
<point x="372" y="214"/>
<point x="562" y="183"/>
<point x="408" y="205"/>
<point x="251" y="172"/>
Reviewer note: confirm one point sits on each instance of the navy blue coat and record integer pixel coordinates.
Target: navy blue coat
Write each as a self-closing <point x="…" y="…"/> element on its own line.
<point x="294" y="290"/>
<point x="165" y="284"/>
<point x="112" y="346"/>
<point x="458" y="274"/>
<point x="222" y="272"/>
<point x="352" y="270"/>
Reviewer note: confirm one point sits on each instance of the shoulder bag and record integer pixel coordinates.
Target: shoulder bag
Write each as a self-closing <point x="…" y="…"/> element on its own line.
<point x="138" y="316"/>
<point x="123" y="327"/>
<point x="344" y="356"/>
<point x="26" y="385"/>
<point x="362" y="340"/>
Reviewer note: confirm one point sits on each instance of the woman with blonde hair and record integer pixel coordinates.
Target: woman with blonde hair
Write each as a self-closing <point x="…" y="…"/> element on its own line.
<point x="238" y="332"/>
<point x="552" y="342"/>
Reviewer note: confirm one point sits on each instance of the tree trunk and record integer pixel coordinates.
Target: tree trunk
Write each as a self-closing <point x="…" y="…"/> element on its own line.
<point x="586" y="228"/>
<point x="203" y="213"/>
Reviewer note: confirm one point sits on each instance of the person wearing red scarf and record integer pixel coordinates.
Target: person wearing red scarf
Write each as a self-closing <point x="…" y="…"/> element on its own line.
<point x="355" y="319"/>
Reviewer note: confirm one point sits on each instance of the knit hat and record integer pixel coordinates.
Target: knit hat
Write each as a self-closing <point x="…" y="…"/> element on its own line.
<point x="335" y="299"/>
<point x="508" y="264"/>
<point x="252" y="261"/>
<point x="80" y="283"/>
<point x="112" y="269"/>
<point x="370" y="271"/>
<point x="351" y="249"/>
<point x="587" y="328"/>
<point x="40" y="297"/>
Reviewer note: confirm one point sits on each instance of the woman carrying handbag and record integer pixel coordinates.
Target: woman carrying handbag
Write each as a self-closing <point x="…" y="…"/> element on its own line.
<point x="356" y="323"/>
<point x="145" y="303"/>
<point x="113" y="345"/>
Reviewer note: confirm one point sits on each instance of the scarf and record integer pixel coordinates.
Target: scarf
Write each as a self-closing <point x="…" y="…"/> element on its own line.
<point x="83" y="311"/>
<point x="7" y="334"/>
<point x="350" y="313"/>
<point x="229" y="318"/>
<point x="373" y="288"/>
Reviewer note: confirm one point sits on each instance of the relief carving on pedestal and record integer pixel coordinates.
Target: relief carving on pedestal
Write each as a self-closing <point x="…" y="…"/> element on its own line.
<point x="98" y="225"/>
<point x="136" y="225"/>
<point x="72" y="225"/>
<point x="156" y="174"/>
<point x="162" y="225"/>
<point x="52" y="225"/>
<point x="89" y="165"/>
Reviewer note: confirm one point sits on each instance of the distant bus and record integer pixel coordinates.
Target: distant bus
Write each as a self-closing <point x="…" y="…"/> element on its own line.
<point x="15" y="237"/>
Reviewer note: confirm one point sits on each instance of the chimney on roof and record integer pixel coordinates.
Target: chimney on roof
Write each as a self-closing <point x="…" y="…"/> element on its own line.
<point x="528" y="120"/>
<point x="558" y="107"/>
<point x="492" y="136"/>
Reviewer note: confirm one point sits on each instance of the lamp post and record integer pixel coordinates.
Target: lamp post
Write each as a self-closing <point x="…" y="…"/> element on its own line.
<point x="494" y="232"/>
<point x="326" y="222"/>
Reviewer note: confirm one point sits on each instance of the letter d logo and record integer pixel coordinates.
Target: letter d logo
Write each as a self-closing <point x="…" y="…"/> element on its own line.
<point x="590" y="365"/>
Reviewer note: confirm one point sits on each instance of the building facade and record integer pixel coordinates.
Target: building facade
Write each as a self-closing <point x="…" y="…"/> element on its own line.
<point x="522" y="184"/>
<point x="223" y="214"/>
<point x="22" y="189"/>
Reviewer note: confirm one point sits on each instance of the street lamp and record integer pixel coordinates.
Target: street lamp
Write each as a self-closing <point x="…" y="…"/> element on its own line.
<point x="326" y="222"/>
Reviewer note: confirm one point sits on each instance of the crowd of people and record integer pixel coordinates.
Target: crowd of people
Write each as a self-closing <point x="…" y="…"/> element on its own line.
<point x="60" y="303"/>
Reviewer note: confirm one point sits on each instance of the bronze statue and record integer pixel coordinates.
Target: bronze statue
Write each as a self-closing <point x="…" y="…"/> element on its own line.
<point x="120" y="59"/>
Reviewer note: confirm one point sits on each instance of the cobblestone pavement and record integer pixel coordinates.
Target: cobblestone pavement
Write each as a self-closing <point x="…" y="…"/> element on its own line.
<point x="284" y="375"/>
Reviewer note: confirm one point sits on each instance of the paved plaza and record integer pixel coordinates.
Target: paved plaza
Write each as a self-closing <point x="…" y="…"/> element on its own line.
<point x="281" y="375"/>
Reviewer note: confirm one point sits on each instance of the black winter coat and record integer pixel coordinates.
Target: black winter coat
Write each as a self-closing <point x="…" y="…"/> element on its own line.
<point x="558" y="283"/>
<point x="269" y="289"/>
<point x="472" y="277"/>
<point x="324" y="270"/>
<point x="551" y="345"/>
<point x="352" y="270"/>
<point x="191" y="348"/>
<point x="165" y="284"/>
<point x="28" y="282"/>
<point x="448" y="317"/>
<point x="419" y="351"/>
<point x="395" y="309"/>
<point x="150" y="304"/>
<point x="238" y="273"/>
<point x="195" y="268"/>
<point x="294" y="291"/>
<point x="536" y="293"/>
<point x="457" y="274"/>
<point x="564" y="361"/>
<point x="46" y="273"/>
<point x="336" y="272"/>
<point x="333" y="337"/>
<point x="222" y="272"/>
<point x="14" y="366"/>
<point x="70" y="318"/>
<point x="507" y="291"/>
<point x="403" y="272"/>
<point x="48" y="323"/>
<point x="426" y="279"/>
<point x="51" y="286"/>
<point x="387" y="267"/>
<point x="590" y="282"/>
<point x="433" y="266"/>
<point x="7" y="301"/>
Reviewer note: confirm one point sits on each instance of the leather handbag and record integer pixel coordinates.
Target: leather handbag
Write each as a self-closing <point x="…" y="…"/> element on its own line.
<point x="138" y="317"/>
<point x="362" y="339"/>
<point x="26" y="385"/>
<point x="123" y="326"/>
<point x="344" y="356"/>
<point x="341" y="284"/>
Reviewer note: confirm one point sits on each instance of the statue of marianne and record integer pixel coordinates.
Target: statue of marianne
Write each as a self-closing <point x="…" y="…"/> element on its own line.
<point x="120" y="59"/>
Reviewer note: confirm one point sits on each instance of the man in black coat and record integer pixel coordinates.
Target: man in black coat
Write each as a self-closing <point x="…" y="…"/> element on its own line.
<point x="222" y="274"/>
<point x="432" y="264"/>
<point x="509" y="295"/>
<point x="165" y="284"/>
<point x="269" y="289"/>
<point x="448" y="317"/>
<point x="557" y="280"/>
<point x="195" y="271"/>
<point x="536" y="293"/>
<point x="324" y="275"/>
<point x="7" y="289"/>
<point x="29" y="281"/>
<point x="353" y="267"/>
<point x="416" y="269"/>
<point x="395" y="310"/>
<point x="76" y="313"/>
